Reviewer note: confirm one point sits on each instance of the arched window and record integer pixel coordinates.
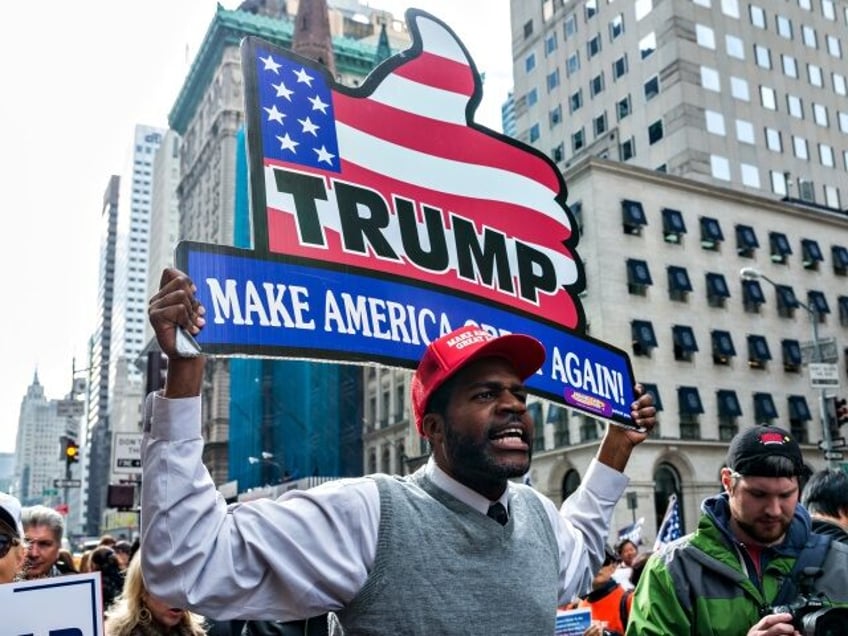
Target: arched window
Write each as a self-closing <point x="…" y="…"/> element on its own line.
<point x="667" y="483"/>
<point x="385" y="461"/>
<point x="372" y="461"/>
<point x="570" y="483"/>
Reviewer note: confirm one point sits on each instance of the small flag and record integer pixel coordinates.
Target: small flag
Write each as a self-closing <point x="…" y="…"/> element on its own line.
<point x="669" y="529"/>
<point x="632" y="532"/>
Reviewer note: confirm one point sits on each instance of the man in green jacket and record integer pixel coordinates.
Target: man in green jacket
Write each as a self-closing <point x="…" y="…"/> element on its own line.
<point x="724" y="578"/>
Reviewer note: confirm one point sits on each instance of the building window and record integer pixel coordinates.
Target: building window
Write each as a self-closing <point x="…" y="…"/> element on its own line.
<point x="711" y="234"/>
<point x="717" y="290"/>
<point x="619" y="67"/>
<point x="808" y="35"/>
<point x="599" y="124"/>
<point x="555" y="116"/>
<point x="623" y="108"/>
<point x="558" y="416"/>
<point x="746" y="241"/>
<point x="792" y="359"/>
<point x="685" y="345"/>
<point x="723" y="349"/>
<point x="842" y="301"/>
<point x="784" y="26"/>
<point x="720" y="167"/>
<point x="638" y="277"/>
<point x="616" y="26"/>
<point x="572" y="64"/>
<point x="715" y="122"/>
<point x="534" y="410"/>
<point x="550" y="43"/>
<point x="752" y="296"/>
<point x="553" y="80"/>
<point x="817" y="301"/>
<point x="633" y="216"/>
<point x="814" y="74"/>
<point x="826" y="157"/>
<point x="652" y="88"/>
<point x="673" y="225"/>
<point x="790" y="66"/>
<point x="528" y="29"/>
<point x="558" y="153"/>
<point x="799" y="415"/>
<point x="643" y="337"/>
<point x="750" y="175"/>
<point x="705" y="36"/>
<point x="593" y="46"/>
<point x="627" y="149"/>
<point x="745" y="131"/>
<point x="578" y="140"/>
<point x="570" y="25"/>
<point x="811" y="254"/>
<point x="710" y="79"/>
<point x="532" y="97"/>
<point x="786" y="301"/>
<point x="780" y="247"/>
<point x="534" y="133"/>
<point x="679" y="284"/>
<point x="727" y="405"/>
<point x="647" y="45"/>
<point x="575" y="101"/>
<point x="799" y="146"/>
<point x="768" y="98"/>
<point x="588" y="428"/>
<point x="795" y="106"/>
<point x="839" y="256"/>
<point x="591" y="8"/>
<point x="596" y="84"/>
<point x="735" y="46"/>
<point x="758" y="16"/>
<point x="764" y="409"/>
<point x="820" y="115"/>
<point x="739" y="89"/>
<point x="642" y="8"/>
<point x="690" y="407"/>
<point x="758" y="352"/>
<point x="655" y="132"/>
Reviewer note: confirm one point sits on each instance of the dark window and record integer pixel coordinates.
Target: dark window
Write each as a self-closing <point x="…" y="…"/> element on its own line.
<point x="654" y="390"/>
<point x="558" y="416"/>
<point x="689" y="400"/>
<point x="811" y="253"/>
<point x="752" y="296"/>
<point x="555" y="116"/>
<point x="717" y="290"/>
<point x="728" y="403"/>
<point x="842" y="301"/>
<point x="786" y="301"/>
<point x="723" y="348"/>
<point x="558" y="153"/>
<point x="799" y="415"/>
<point x="673" y="225"/>
<point x="655" y="132"/>
<point x="638" y="276"/>
<point x="596" y="84"/>
<point x="780" y="247"/>
<point x="764" y="409"/>
<point x="577" y="212"/>
<point x="534" y="410"/>
<point x="746" y="241"/>
<point x="818" y="303"/>
<point x="627" y="149"/>
<point x="600" y="124"/>
<point x="591" y="8"/>
<point x="528" y="29"/>
<point x="652" y="88"/>
<point x="575" y="101"/>
<point x="633" y="216"/>
<point x="553" y="80"/>
<point x="593" y="47"/>
<point x="679" y="284"/>
<point x="685" y="344"/>
<point x="622" y="108"/>
<point x="840" y="259"/>
<point x="578" y="140"/>
<point x="644" y="339"/>
<point x="758" y="352"/>
<point x="791" y="355"/>
<point x="711" y="234"/>
<point x="619" y="67"/>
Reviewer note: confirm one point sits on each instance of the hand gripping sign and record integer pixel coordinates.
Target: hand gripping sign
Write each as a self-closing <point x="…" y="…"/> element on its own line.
<point x="383" y="217"/>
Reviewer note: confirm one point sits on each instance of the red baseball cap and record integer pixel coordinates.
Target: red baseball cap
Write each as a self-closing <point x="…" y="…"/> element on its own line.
<point x="453" y="351"/>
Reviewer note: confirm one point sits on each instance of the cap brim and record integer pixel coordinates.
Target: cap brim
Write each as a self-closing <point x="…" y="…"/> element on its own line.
<point x="8" y="520"/>
<point x="524" y="353"/>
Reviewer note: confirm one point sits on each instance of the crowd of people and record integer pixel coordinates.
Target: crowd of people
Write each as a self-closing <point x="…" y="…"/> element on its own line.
<point x="462" y="545"/>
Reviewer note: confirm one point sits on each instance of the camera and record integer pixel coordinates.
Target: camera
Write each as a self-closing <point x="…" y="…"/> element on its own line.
<point x="815" y="616"/>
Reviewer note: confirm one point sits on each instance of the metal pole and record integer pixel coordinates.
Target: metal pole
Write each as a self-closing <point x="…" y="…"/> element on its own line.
<point x="828" y="444"/>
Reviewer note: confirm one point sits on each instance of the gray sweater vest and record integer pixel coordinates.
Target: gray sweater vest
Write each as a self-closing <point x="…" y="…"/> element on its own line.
<point x="443" y="568"/>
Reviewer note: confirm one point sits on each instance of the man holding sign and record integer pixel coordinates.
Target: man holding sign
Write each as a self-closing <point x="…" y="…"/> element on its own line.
<point x="455" y="544"/>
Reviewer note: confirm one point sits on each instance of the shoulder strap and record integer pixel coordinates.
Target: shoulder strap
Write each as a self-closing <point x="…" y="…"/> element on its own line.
<point x="813" y="555"/>
<point x="623" y="609"/>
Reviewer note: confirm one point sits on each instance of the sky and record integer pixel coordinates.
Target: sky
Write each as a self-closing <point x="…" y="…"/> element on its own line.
<point x="77" y="79"/>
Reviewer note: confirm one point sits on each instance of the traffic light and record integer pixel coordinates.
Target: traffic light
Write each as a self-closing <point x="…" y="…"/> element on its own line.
<point x="71" y="451"/>
<point x="841" y="411"/>
<point x="157" y="370"/>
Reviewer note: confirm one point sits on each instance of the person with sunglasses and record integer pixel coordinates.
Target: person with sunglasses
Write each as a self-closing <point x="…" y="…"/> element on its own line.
<point x="12" y="551"/>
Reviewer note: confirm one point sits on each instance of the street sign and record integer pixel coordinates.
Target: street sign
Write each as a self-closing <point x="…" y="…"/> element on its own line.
<point x="836" y="443"/>
<point x="829" y="350"/>
<point x="824" y="375"/>
<point x="49" y="492"/>
<point x="834" y="456"/>
<point x="67" y="483"/>
<point x="70" y="408"/>
<point x="126" y="453"/>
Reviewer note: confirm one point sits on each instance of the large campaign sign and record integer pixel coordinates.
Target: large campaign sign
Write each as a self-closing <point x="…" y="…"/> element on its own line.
<point x="59" y="606"/>
<point x="384" y="216"/>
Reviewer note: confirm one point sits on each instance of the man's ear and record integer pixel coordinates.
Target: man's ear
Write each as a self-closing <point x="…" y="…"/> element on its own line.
<point x="433" y="426"/>
<point x="726" y="477"/>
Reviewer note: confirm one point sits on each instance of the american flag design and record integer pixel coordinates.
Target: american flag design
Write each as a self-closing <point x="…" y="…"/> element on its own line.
<point x="408" y="137"/>
<point x="670" y="529"/>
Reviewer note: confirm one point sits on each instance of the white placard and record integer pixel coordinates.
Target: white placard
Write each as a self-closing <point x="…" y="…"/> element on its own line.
<point x="823" y="375"/>
<point x="126" y="453"/>
<point x="61" y="606"/>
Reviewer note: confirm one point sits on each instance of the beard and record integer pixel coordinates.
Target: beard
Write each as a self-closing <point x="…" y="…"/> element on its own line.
<point x="475" y="455"/>
<point x="774" y="534"/>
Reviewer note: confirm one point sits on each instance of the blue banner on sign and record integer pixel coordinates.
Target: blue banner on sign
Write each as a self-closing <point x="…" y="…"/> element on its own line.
<point x="303" y="310"/>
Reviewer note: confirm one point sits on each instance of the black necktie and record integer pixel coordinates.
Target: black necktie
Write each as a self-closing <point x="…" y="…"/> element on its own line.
<point x="498" y="513"/>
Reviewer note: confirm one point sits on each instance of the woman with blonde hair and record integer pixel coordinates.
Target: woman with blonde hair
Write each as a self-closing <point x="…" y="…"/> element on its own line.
<point x="136" y="612"/>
